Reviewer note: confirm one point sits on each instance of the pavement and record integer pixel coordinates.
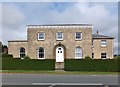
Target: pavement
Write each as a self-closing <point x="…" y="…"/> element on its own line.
<point x="43" y="80"/>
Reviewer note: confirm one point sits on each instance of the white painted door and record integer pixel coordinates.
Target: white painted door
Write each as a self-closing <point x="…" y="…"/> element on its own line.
<point x="59" y="54"/>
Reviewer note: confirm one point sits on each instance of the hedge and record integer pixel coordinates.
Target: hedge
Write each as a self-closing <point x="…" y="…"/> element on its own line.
<point x="108" y="65"/>
<point x="10" y="63"/>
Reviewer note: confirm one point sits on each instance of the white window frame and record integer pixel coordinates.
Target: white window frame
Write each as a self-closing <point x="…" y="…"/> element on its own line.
<point x="104" y="55"/>
<point x="78" y="52"/>
<point x="38" y="54"/>
<point x="103" y="43"/>
<point x="76" y="35"/>
<point x="57" y="36"/>
<point x="22" y="53"/>
<point x="43" y="36"/>
<point x="92" y="43"/>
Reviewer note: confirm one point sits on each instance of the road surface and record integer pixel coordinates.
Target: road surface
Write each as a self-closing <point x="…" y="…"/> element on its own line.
<point x="42" y="79"/>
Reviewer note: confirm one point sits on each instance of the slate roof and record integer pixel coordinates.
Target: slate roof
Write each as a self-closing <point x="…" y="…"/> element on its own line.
<point x="17" y="41"/>
<point x="99" y="36"/>
<point x="63" y="25"/>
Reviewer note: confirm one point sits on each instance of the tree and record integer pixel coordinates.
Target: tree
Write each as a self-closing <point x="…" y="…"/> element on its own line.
<point x="0" y="47"/>
<point x="4" y="49"/>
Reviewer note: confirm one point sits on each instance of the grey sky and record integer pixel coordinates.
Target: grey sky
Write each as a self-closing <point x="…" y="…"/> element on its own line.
<point x="16" y="15"/>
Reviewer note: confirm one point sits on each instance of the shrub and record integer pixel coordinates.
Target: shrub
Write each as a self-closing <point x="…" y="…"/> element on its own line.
<point x="10" y="63"/>
<point x="27" y="57"/>
<point x="7" y="55"/>
<point x="109" y="65"/>
<point x="88" y="58"/>
<point x="117" y="57"/>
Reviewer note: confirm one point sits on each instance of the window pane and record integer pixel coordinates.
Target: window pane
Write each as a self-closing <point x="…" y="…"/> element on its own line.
<point x="103" y="43"/>
<point x="103" y="55"/>
<point x="22" y="52"/>
<point x="78" y="52"/>
<point x="78" y="35"/>
<point x="59" y="48"/>
<point x="41" y="53"/>
<point x="92" y="55"/>
<point x="59" y="35"/>
<point x="41" y="35"/>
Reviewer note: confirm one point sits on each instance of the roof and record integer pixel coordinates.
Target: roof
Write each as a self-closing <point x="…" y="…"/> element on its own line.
<point x="18" y="41"/>
<point x="63" y="25"/>
<point x="98" y="36"/>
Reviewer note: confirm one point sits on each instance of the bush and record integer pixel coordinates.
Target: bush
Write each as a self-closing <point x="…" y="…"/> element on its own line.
<point x="27" y="57"/>
<point x="117" y="57"/>
<point x="88" y="58"/>
<point x="4" y="55"/>
<point x="109" y="65"/>
<point x="10" y="63"/>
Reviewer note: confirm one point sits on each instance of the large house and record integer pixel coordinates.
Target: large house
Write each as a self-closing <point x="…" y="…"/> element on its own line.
<point x="62" y="41"/>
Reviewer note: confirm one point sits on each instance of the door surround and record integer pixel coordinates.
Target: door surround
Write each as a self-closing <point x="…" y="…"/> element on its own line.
<point x="56" y="46"/>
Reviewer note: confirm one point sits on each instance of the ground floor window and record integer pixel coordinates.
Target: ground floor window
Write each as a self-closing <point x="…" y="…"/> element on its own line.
<point x="41" y="53"/>
<point x="22" y="52"/>
<point x="92" y="55"/>
<point x="78" y="53"/>
<point x="103" y="55"/>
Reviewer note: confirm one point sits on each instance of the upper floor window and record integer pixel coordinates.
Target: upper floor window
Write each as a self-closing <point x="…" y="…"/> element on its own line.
<point x="103" y="43"/>
<point x="41" y="36"/>
<point x="103" y="55"/>
<point x="78" y="35"/>
<point x="59" y="36"/>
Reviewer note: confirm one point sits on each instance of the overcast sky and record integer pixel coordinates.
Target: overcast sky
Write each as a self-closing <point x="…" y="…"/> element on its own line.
<point x="16" y="15"/>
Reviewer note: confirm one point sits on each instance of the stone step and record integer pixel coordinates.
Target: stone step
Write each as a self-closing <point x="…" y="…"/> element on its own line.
<point x="59" y="66"/>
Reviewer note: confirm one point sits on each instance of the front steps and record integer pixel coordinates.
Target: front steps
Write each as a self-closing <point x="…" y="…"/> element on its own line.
<point x="59" y="66"/>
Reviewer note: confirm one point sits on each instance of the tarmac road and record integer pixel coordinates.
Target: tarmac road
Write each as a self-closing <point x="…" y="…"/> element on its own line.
<point x="42" y="79"/>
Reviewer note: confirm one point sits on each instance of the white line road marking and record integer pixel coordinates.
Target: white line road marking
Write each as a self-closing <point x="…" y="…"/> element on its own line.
<point x="53" y="84"/>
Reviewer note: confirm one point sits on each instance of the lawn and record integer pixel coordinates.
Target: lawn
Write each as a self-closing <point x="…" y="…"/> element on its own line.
<point x="58" y="72"/>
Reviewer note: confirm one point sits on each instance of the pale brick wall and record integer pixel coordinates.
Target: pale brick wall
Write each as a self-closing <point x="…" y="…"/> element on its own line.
<point x="97" y="49"/>
<point x="68" y="41"/>
<point x="14" y="47"/>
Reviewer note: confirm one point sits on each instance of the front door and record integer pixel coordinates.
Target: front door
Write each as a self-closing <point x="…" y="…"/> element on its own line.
<point x="59" y="54"/>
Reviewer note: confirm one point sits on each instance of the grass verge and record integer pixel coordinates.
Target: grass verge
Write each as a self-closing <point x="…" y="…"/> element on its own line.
<point x="58" y="72"/>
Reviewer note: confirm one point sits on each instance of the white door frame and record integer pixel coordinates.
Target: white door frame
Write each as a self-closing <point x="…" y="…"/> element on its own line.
<point x="59" y="54"/>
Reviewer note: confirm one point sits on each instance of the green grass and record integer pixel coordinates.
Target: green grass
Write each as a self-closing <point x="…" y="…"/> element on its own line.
<point x="59" y="72"/>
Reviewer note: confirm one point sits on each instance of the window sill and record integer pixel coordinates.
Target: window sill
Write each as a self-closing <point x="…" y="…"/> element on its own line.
<point x="103" y="58"/>
<point x="78" y="58"/>
<point x="41" y="58"/>
<point x="78" y="39"/>
<point x="59" y="39"/>
<point x="103" y="46"/>
<point x="41" y="39"/>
